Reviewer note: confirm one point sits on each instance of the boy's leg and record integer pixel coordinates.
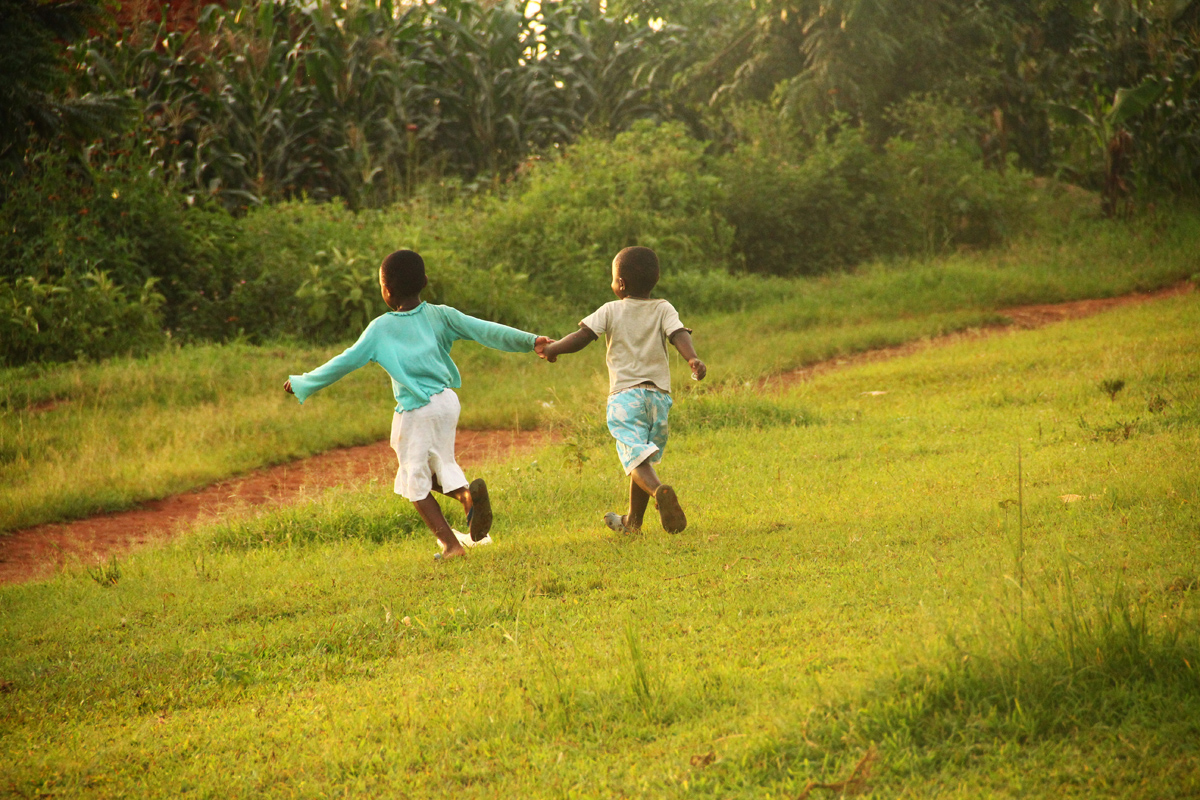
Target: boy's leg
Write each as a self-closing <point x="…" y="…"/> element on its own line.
<point x="431" y="512"/>
<point x="638" y="500"/>
<point x="644" y="477"/>
<point x="643" y="483"/>
<point x="669" y="511"/>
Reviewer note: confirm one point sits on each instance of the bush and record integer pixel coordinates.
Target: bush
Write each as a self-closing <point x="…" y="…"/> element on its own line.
<point x="807" y="212"/>
<point x="568" y="216"/>
<point x="340" y="296"/>
<point x="802" y="210"/>
<point x="74" y="316"/>
<point x="62" y="221"/>
<point x="947" y="194"/>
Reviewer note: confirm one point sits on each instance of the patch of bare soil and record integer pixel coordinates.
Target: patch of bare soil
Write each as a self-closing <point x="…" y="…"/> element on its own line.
<point x="38" y="552"/>
<point x="1019" y="317"/>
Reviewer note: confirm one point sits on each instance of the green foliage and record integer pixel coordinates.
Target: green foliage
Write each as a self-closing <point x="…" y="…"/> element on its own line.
<point x="564" y="222"/>
<point x="34" y="101"/>
<point x="837" y="201"/>
<point x="61" y="220"/>
<point x="340" y="296"/>
<point x="76" y="316"/>
<point x="943" y="187"/>
<point x="1134" y="76"/>
<point x="809" y="210"/>
<point x="265" y="101"/>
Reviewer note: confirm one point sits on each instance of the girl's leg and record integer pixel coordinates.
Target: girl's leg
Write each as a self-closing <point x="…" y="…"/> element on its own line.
<point x="431" y="512"/>
<point x="462" y="495"/>
<point x="481" y="523"/>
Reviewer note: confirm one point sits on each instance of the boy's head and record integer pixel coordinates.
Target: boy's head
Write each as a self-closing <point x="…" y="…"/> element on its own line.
<point x="401" y="275"/>
<point x="635" y="272"/>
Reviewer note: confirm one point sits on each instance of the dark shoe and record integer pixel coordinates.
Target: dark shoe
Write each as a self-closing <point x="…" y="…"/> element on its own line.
<point x="669" y="510"/>
<point x="479" y="521"/>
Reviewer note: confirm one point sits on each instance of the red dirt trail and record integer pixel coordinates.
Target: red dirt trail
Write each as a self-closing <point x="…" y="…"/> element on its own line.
<point x="38" y="552"/>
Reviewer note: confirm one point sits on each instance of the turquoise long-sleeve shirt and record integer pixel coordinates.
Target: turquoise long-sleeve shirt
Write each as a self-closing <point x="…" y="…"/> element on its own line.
<point x="413" y="347"/>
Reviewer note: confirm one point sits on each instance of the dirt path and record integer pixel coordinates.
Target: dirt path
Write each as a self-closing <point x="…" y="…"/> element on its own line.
<point x="38" y="552"/>
<point x="1021" y="318"/>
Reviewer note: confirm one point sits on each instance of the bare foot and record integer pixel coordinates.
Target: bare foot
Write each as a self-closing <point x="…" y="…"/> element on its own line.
<point x="450" y="552"/>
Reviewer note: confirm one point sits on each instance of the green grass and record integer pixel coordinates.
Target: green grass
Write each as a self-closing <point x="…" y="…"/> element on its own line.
<point x="84" y="438"/>
<point x="853" y="582"/>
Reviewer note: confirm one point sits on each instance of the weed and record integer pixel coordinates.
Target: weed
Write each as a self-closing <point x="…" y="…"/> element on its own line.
<point x="1111" y="386"/>
<point x="234" y="667"/>
<point x="106" y="574"/>
<point x="646" y="696"/>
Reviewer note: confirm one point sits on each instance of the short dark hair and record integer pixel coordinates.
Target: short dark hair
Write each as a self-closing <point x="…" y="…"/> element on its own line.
<point x="403" y="273"/>
<point x="639" y="267"/>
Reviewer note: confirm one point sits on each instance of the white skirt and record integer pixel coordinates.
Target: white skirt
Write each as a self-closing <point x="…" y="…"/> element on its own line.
<point x="424" y="443"/>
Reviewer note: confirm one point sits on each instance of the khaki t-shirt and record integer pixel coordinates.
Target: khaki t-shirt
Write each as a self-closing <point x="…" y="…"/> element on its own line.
<point x="637" y="330"/>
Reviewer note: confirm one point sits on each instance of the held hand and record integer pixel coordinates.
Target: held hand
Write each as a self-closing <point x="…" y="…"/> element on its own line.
<point x="698" y="369"/>
<point x="539" y="347"/>
<point x="287" y="387"/>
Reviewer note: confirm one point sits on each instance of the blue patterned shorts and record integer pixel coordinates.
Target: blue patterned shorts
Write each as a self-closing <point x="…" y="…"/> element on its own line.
<point x="637" y="419"/>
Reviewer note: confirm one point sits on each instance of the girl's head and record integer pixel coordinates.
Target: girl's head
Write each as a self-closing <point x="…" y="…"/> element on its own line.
<point x="401" y="276"/>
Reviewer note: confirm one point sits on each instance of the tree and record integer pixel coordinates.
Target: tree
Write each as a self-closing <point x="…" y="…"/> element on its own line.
<point x="35" y="100"/>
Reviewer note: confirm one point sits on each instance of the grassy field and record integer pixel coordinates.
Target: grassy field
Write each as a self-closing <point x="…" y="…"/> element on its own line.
<point x="84" y="438"/>
<point x="866" y="580"/>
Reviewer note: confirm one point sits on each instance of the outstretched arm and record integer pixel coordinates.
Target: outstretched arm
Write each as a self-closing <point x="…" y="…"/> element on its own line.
<point x="683" y="343"/>
<point x="356" y="355"/>
<point x="571" y="343"/>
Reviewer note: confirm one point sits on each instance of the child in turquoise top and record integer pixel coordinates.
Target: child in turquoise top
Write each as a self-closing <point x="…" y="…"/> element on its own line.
<point x="412" y="343"/>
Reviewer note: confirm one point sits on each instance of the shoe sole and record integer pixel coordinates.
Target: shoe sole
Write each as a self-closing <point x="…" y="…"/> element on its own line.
<point x="481" y="510"/>
<point x="613" y="521"/>
<point x="669" y="510"/>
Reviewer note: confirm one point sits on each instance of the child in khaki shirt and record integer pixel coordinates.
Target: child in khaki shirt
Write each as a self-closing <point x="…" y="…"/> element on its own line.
<point x="637" y="329"/>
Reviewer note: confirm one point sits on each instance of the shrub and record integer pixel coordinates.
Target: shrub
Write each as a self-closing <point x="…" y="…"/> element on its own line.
<point x="949" y="196"/>
<point x="807" y="212"/>
<point x="802" y="210"/>
<point x="340" y="296"/>
<point x="73" y="316"/>
<point x="61" y="219"/>
<point x="568" y="216"/>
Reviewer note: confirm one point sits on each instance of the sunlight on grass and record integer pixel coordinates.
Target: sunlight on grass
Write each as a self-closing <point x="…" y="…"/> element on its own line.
<point x="851" y="583"/>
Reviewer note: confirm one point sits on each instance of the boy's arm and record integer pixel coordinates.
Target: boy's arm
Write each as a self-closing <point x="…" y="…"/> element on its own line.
<point x="683" y="343"/>
<point x="571" y="343"/>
